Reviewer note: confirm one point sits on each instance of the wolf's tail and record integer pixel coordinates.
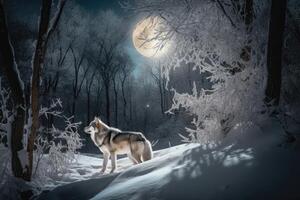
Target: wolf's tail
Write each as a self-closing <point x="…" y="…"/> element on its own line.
<point x="147" y="153"/>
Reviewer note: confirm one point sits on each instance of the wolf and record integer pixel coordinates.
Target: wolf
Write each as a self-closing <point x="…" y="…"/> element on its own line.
<point x="112" y="142"/>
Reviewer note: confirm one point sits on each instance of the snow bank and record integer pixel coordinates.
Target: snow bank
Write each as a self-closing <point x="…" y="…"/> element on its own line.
<point x="247" y="165"/>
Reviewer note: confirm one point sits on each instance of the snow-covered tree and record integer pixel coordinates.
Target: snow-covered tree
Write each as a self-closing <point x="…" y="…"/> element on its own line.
<point x="9" y="66"/>
<point x="22" y="154"/>
<point x="210" y="36"/>
<point x="54" y="148"/>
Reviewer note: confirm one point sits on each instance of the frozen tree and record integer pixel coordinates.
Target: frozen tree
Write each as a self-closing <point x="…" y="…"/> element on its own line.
<point x="61" y="147"/>
<point x="46" y="28"/>
<point x="10" y="69"/>
<point x="22" y="168"/>
<point x="215" y="44"/>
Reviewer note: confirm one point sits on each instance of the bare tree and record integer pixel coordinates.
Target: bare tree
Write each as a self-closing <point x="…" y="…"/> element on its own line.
<point x="90" y="79"/>
<point x="11" y="71"/>
<point x="130" y="94"/>
<point x="54" y="67"/>
<point x="160" y="81"/>
<point x="124" y="74"/>
<point x="106" y="51"/>
<point x="80" y="73"/>
<point x="119" y="81"/>
<point x="99" y="90"/>
<point x="46" y="28"/>
<point x="51" y="80"/>
<point x="116" y="100"/>
<point x="274" y="62"/>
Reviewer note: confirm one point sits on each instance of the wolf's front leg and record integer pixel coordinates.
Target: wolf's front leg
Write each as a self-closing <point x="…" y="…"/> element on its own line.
<point x="105" y="161"/>
<point x="113" y="158"/>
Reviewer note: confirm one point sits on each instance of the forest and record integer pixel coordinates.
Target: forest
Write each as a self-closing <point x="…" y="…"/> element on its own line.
<point x="213" y="86"/>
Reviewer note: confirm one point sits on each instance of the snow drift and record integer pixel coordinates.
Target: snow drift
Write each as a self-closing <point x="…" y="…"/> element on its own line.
<point x="247" y="165"/>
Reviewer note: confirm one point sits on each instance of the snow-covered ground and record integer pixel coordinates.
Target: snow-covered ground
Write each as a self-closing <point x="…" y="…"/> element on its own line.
<point x="246" y="165"/>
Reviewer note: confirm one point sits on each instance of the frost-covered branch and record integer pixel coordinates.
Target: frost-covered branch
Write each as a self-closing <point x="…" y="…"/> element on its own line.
<point x="61" y="149"/>
<point x="56" y="148"/>
<point x="6" y="116"/>
<point x="52" y="109"/>
<point x="204" y="38"/>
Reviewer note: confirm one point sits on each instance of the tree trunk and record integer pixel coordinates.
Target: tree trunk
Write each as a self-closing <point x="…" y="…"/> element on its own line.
<point x="159" y="82"/>
<point x="124" y="98"/>
<point x="249" y="13"/>
<point x="89" y="83"/>
<point x="9" y="67"/>
<point x="248" y="19"/>
<point x="276" y="34"/>
<point x="88" y="107"/>
<point x="107" y="97"/>
<point x="116" y="103"/>
<point x="189" y="78"/>
<point x="74" y="107"/>
<point x="35" y="79"/>
<point x="98" y="102"/>
<point x="165" y="94"/>
<point x="130" y="104"/>
<point x="162" y="108"/>
<point x="45" y="30"/>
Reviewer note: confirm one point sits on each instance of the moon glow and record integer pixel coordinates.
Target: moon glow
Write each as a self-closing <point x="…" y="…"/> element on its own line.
<point x="146" y="40"/>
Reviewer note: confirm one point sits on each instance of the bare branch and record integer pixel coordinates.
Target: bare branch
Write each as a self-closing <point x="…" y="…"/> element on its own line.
<point x="56" y="18"/>
<point x="225" y="13"/>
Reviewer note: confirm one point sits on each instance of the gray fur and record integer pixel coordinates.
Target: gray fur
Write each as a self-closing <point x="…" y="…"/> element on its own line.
<point x="112" y="142"/>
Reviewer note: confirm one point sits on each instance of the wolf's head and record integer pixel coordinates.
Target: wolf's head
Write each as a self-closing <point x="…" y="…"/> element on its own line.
<point x="96" y="126"/>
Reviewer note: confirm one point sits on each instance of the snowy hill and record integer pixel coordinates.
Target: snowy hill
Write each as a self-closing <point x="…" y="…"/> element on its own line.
<point x="247" y="165"/>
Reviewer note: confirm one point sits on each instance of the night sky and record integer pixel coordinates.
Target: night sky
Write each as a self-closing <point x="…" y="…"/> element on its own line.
<point x="93" y="5"/>
<point x="101" y="4"/>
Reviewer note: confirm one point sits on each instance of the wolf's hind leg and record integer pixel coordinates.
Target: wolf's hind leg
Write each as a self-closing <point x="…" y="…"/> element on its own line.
<point x="132" y="159"/>
<point x="137" y="157"/>
<point x="105" y="161"/>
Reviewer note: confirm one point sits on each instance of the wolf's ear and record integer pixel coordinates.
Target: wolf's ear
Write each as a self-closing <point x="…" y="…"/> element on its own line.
<point x="98" y="124"/>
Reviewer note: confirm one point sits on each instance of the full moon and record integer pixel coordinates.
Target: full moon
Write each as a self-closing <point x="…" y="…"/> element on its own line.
<point x="146" y="40"/>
